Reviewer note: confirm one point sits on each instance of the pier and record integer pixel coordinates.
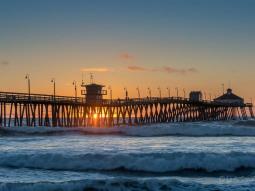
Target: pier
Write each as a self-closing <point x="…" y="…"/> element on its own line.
<point x="20" y="109"/>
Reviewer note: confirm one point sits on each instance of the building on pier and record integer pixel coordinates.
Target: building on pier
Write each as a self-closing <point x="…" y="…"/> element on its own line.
<point x="93" y="92"/>
<point x="230" y="98"/>
<point x="195" y="96"/>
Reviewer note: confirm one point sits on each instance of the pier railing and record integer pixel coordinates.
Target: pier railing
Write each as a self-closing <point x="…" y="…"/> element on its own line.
<point x="24" y="97"/>
<point x="12" y="97"/>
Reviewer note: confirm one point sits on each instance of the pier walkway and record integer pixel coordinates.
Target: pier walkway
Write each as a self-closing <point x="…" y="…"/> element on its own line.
<point x="20" y="109"/>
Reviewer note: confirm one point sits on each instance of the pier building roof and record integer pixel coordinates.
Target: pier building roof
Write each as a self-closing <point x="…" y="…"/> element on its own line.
<point x="229" y="97"/>
<point x="93" y="85"/>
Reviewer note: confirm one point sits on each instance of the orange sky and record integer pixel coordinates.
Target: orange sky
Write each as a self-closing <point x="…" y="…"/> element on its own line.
<point x="167" y="44"/>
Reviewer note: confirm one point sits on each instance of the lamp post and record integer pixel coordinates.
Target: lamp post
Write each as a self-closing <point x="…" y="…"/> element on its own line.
<point x="138" y="92"/>
<point x="54" y="87"/>
<point x="210" y="96"/>
<point x="75" y="89"/>
<point x="27" y="77"/>
<point x="184" y="93"/>
<point x="169" y="91"/>
<point x="205" y="95"/>
<point x="126" y="93"/>
<point x="159" y="90"/>
<point x="149" y="91"/>
<point x="177" y="92"/>
<point x="110" y="89"/>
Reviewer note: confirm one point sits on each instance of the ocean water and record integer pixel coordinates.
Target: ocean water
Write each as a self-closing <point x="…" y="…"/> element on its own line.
<point x="188" y="156"/>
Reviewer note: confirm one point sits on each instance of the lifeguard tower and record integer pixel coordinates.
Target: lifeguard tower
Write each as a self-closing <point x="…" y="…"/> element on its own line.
<point x="93" y="92"/>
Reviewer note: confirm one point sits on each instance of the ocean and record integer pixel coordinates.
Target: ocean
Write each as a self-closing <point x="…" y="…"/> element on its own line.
<point x="187" y="156"/>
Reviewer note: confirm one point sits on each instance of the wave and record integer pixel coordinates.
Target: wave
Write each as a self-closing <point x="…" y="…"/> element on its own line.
<point x="250" y="123"/>
<point x="118" y="184"/>
<point x="240" y="128"/>
<point x="150" y="162"/>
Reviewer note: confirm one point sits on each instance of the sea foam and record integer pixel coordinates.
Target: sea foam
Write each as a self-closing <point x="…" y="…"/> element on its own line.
<point x="240" y="128"/>
<point x="120" y="184"/>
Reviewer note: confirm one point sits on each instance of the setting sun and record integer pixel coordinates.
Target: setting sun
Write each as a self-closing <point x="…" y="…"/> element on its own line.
<point x="95" y="116"/>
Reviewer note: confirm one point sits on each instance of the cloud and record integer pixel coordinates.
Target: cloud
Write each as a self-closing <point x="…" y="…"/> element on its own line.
<point x="137" y="68"/>
<point x="95" y="69"/>
<point x="167" y="69"/>
<point x="180" y="71"/>
<point x="126" y="56"/>
<point x="4" y="63"/>
<point x="192" y="70"/>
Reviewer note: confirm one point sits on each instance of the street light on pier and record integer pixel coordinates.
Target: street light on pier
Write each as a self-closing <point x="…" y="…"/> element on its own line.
<point x="27" y="77"/>
<point x="169" y="91"/>
<point x="159" y="90"/>
<point x="110" y="89"/>
<point x="210" y="96"/>
<point x="138" y="92"/>
<point x="205" y="95"/>
<point x="75" y="89"/>
<point x="184" y="93"/>
<point x="177" y="91"/>
<point x="126" y="93"/>
<point x="149" y="91"/>
<point x="54" y="87"/>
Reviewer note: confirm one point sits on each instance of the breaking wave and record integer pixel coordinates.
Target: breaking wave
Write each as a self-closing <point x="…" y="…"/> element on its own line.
<point x="151" y="162"/>
<point x="117" y="184"/>
<point x="240" y="128"/>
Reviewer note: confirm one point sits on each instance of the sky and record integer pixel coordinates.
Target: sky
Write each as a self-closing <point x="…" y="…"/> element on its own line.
<point x="184" y="44"/>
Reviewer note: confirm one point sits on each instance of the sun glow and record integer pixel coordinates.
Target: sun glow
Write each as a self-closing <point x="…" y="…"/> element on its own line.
<point x="95" y="116"/>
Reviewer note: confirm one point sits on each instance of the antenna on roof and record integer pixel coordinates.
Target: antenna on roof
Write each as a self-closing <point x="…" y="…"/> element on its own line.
<point x="82" y="78"/>
<point x="229" y="84"/>
<point x="91" y="78"/>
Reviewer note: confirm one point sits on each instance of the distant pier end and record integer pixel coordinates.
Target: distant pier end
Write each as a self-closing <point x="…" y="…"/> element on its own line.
<point x="229" y="98"/>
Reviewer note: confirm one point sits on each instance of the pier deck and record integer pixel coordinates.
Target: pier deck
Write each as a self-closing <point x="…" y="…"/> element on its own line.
<point x="20" y="109"/>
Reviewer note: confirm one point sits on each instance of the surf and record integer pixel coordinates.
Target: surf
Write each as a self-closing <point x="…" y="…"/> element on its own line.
<point x="234" y="128"/>
<point x="143" y="162"/>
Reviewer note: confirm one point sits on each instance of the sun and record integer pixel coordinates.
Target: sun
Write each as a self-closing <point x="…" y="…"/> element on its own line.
<point x="95" y="116"/>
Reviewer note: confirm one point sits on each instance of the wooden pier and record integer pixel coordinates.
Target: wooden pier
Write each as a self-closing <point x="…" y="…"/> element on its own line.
<point x="19" y="109"/>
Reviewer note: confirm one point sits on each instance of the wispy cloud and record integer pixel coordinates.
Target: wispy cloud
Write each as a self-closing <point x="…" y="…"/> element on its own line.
<point x="95" y="69"/>
<point x="4" y="63"/>
<point x="126" y="56"/>
<point x="137" y="68"/>
<point x="167" y="69"/>
<point x="180" y="71"/>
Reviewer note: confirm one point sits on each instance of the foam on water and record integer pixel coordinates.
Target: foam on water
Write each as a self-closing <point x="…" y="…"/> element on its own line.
<point x="124" y="184"/>
<point x="240" y="128"/>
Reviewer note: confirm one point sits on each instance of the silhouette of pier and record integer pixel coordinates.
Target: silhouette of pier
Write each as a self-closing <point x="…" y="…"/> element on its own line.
<point x="20" y="109"/>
